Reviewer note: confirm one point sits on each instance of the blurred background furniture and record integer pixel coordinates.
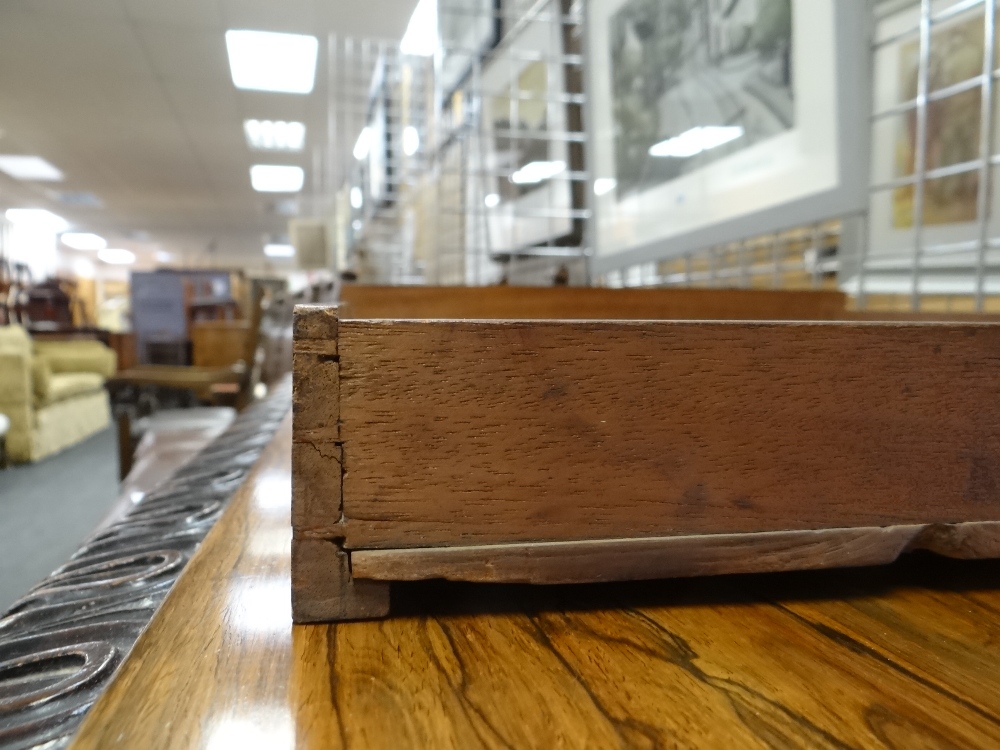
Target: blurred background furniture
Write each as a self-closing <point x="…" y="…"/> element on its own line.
<point x="228" y="385"/>
<point x="15" y="278"/>
<point x="52" y="392"/>
<point x="4" y="427"/>
<point x="164" y="410"/>
<point x="123" y="344"/>
<point x="168" y="305"/>
<point x="219" y="343"/>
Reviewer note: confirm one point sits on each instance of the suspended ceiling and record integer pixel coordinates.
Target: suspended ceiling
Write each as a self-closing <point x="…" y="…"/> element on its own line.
<point x="133" y="101"/>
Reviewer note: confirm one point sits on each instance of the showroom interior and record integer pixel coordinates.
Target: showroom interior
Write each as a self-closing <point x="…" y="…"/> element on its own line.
<point x="499" y="373"/>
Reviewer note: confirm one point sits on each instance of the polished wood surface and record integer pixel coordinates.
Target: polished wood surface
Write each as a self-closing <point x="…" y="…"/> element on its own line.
<point x="578" y="303"/>
<point x="899" y="657"/>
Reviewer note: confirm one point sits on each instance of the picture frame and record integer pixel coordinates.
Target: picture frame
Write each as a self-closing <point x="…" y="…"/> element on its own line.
<point x="763" y="181"/>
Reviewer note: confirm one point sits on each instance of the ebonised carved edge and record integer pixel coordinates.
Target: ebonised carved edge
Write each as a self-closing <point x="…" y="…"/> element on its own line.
<point x="61" y="644"/>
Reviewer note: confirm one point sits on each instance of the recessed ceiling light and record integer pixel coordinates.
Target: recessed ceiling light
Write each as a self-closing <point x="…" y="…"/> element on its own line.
<point x="37" y="217"/>
<point x="162" y="256"/>
<point x="116" y="257"/>
<point x="357" y="198"/>
<point x="271" y="178"/>
<point x="421" y="37"/>
<point x="537" y="171"/>
<point x="492" y="200"/>
<point x="275" y="135"/>
<point x="83" y="241"/>
<point x="29" y="168"/>
<point x="275" y="250"/>
<point x="268" y="61"/>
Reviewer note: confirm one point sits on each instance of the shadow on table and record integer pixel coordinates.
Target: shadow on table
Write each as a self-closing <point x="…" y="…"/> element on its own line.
<point x="917" y="570"/>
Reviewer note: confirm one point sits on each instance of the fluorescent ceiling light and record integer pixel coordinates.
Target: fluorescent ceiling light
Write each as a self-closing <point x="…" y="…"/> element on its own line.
<point x="492" y="200"/>
<point x="692" y="142"/>
<point x="29" y="168"/>
<point x="268" y="61"/>
<point x="275" y="135"/>
<point x="357" y="199"/>
<point x="37" y="218"/>
<point x="421" y="37"/>
<point x="275" y="250"/>
<point x="604" y="185"/>
<point x="411" y="140"/>
<point x="116" y="257"/>
<point x="363" y="144"/>
<point x="537" y="171"/>
<point x="271" y="178"/>
<point x="83" y="241"/>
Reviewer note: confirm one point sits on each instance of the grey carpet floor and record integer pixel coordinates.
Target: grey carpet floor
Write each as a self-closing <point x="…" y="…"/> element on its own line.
<point x="47" y="509"/>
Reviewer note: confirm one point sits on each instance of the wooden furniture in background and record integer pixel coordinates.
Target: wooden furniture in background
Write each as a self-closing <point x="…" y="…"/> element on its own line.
<point x="6" y="297"/>
<point x="902" y="657"/>
<point x="537" y="303"/>
<point x="4" y="428"/>
<point x="219" y="343"/>
<point x="166" y="303"/>
<point x="15" y="280"/>
<point x="232" y="384"/>
<point x="567" y="452"/>
<point x="124" y="346"/>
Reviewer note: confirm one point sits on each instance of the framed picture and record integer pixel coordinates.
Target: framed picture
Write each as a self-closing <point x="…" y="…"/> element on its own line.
<point x="950" y="221"/>
<point x="525" y="190"/>
<point x="713" y="121"/>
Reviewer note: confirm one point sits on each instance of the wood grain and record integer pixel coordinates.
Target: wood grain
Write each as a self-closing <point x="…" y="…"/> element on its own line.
<point x="463" y="433"/>
<point x="538" y="303"/>
<point x="597" y="560"/>
<point x="897" y="657"/>
<point x="218" y="343"/>
<point x="324" y="590"/>
<point x="322" y="586"/>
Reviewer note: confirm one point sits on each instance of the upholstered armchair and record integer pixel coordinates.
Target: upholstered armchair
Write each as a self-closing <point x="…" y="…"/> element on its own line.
<point x="52" y="392"/>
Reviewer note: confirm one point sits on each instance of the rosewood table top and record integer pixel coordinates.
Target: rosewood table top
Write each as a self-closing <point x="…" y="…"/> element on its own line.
<point x="904" y="656"/>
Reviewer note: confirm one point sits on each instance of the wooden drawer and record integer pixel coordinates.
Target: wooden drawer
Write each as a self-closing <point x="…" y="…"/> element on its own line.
<point x="575" y="451"/>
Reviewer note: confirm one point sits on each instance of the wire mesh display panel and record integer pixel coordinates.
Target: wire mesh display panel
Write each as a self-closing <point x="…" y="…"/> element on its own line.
<point x="468" y="166"/>
<point x="931" y="231"/>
